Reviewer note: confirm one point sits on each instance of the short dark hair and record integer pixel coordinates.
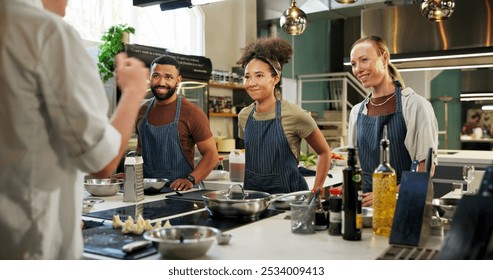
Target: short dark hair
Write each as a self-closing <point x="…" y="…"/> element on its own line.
<point x="167" y="60"/>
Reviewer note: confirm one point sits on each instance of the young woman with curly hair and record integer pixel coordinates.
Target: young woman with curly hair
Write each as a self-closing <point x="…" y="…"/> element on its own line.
<point x="273" y="128"/>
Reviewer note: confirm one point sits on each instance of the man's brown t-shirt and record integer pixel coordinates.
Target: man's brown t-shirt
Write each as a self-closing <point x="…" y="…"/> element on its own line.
<point x="193" y="124"/>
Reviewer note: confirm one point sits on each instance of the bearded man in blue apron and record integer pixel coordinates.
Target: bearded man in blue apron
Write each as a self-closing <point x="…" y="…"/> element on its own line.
<point x="411" y="123"/>
<point x="273" y="128"/>
<point x="169" y="127"/>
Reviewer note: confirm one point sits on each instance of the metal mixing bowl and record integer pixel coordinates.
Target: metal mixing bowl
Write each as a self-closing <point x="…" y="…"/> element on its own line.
<point x="183" y="242"/>
<point x="103" y="187"/>
<point x="283" y="203"/>
<point x="154" y="184"/>
<point x="445" y="207"/>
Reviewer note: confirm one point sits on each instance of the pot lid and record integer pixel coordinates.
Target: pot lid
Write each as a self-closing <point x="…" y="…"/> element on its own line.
<point x="229" y="195"/>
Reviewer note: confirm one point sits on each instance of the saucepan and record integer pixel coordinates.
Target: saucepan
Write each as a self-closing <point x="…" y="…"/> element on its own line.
<point x="243" y="204"/>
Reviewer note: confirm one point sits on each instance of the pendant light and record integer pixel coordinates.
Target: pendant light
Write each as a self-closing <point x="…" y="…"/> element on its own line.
<point x="346" y="1"/>
<point x="437" y="10"/>
<point x="293" y="20"/>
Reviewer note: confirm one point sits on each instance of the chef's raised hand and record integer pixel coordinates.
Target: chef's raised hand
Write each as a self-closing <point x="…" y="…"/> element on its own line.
<point x="131" y="75"/>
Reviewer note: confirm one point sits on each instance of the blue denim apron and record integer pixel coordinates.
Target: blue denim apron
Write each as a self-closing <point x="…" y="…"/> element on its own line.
<point x="161" y="148"/>
<point x="270" y="166"/>
<point x="370" y="132"/>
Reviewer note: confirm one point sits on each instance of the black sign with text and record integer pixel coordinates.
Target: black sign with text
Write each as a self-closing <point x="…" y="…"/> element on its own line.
<point x="192" y="67"/>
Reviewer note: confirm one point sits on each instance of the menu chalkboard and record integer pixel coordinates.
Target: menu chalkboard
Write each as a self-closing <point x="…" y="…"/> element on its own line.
<point x="192" y="67"/>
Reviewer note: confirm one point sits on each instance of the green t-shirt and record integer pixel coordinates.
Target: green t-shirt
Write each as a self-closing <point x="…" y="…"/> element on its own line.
<point x="296" y="122"/>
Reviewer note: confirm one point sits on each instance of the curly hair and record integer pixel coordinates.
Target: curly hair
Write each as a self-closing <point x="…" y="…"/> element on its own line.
<point x="274" y="51"/>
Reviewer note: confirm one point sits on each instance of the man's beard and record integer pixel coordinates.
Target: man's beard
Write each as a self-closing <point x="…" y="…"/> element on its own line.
<point x="160" y="96"/>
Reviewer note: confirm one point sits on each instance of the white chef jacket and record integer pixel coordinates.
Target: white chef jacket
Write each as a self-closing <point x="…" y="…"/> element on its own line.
<point x="53" y="128"/>
<point x="421" y="124"/>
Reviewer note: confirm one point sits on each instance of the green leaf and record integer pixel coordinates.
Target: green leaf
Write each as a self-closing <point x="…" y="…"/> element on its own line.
<point x="111" y="46"/>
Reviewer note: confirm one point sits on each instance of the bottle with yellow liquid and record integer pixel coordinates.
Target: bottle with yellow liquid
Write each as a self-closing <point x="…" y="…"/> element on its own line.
<point x="384" y="191"/>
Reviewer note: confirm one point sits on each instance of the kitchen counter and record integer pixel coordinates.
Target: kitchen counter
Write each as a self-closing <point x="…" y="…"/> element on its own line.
<point x="460" y="157"/>
<point x="449" y="168"/>
<point x="271" y="238"/>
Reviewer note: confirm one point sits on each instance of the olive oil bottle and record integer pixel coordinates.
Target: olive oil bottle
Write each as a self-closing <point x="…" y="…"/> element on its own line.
<point x="384" y="190"/>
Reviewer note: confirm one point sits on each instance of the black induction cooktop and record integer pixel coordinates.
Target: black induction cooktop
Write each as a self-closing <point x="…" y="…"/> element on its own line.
<point x="103" y="240"/>
<point x="149" y="210"/>
<point x="203" y="218"/>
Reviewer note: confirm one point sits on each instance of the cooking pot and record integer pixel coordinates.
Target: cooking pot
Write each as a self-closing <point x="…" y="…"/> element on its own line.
<point x="244" y="204"/>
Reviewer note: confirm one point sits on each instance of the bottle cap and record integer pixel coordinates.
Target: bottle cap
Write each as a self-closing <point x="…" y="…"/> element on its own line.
<point x="335" y="191"/>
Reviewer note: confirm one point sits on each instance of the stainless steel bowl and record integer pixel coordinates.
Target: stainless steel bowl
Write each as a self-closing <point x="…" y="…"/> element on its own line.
<point x="367" y="213"/>
<point x="445" y="207"/>
<point x="283" y="203"/>
<point x="154" y="184"/>
<point x="103" y="187"/>
<point x="183" y="242"/>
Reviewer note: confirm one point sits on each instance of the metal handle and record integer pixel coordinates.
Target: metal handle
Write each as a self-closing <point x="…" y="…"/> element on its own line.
<point x="228" y="195"/>
<point x="136" y="245"/>
<point x="201" y="185"/>
<point x="429" y="160"/>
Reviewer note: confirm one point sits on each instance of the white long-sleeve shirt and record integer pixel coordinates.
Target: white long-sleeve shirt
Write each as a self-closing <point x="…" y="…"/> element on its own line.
<point x="421" y="123"/>
<point x="53" y="128"/>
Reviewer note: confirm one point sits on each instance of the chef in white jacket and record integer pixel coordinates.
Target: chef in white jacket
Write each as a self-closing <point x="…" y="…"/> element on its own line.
<point x="54" y="128"/>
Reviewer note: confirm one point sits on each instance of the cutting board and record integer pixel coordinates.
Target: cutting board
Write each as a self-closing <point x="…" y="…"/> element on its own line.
<point x="107" y="241"/>
<point x="194" y="196"/>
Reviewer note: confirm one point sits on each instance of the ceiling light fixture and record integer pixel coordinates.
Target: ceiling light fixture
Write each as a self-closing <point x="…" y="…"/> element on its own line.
<point x="476" y="96"/>
<point x="293" y="20"/>
<point x="437" y="10"/>
<point x="451" y="59"/>
<point x="346" y="1"/>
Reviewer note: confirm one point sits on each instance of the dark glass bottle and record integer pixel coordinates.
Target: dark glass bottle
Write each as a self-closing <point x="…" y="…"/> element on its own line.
<point x="353" y="220"/>
<point x="320" y="214"/>
<point x="335" y="217"/>
<point x="220" y="165"/>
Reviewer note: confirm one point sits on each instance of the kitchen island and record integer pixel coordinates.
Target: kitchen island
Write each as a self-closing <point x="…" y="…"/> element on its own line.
<point x="271" y="238"/>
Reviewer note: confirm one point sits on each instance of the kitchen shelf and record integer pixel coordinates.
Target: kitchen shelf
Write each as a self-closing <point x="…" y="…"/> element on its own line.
<point x="229" y="115"/>
<point x="227" y="86"/>
<point x="329" y="123"/>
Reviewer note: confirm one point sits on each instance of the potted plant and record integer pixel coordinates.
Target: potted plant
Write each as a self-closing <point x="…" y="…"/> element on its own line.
<point x="111" y="46"/>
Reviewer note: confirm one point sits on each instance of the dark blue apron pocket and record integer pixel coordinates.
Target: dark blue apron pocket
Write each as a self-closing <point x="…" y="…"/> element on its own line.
<point x="166" y="175"/>
<point x="270" y="183"/>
